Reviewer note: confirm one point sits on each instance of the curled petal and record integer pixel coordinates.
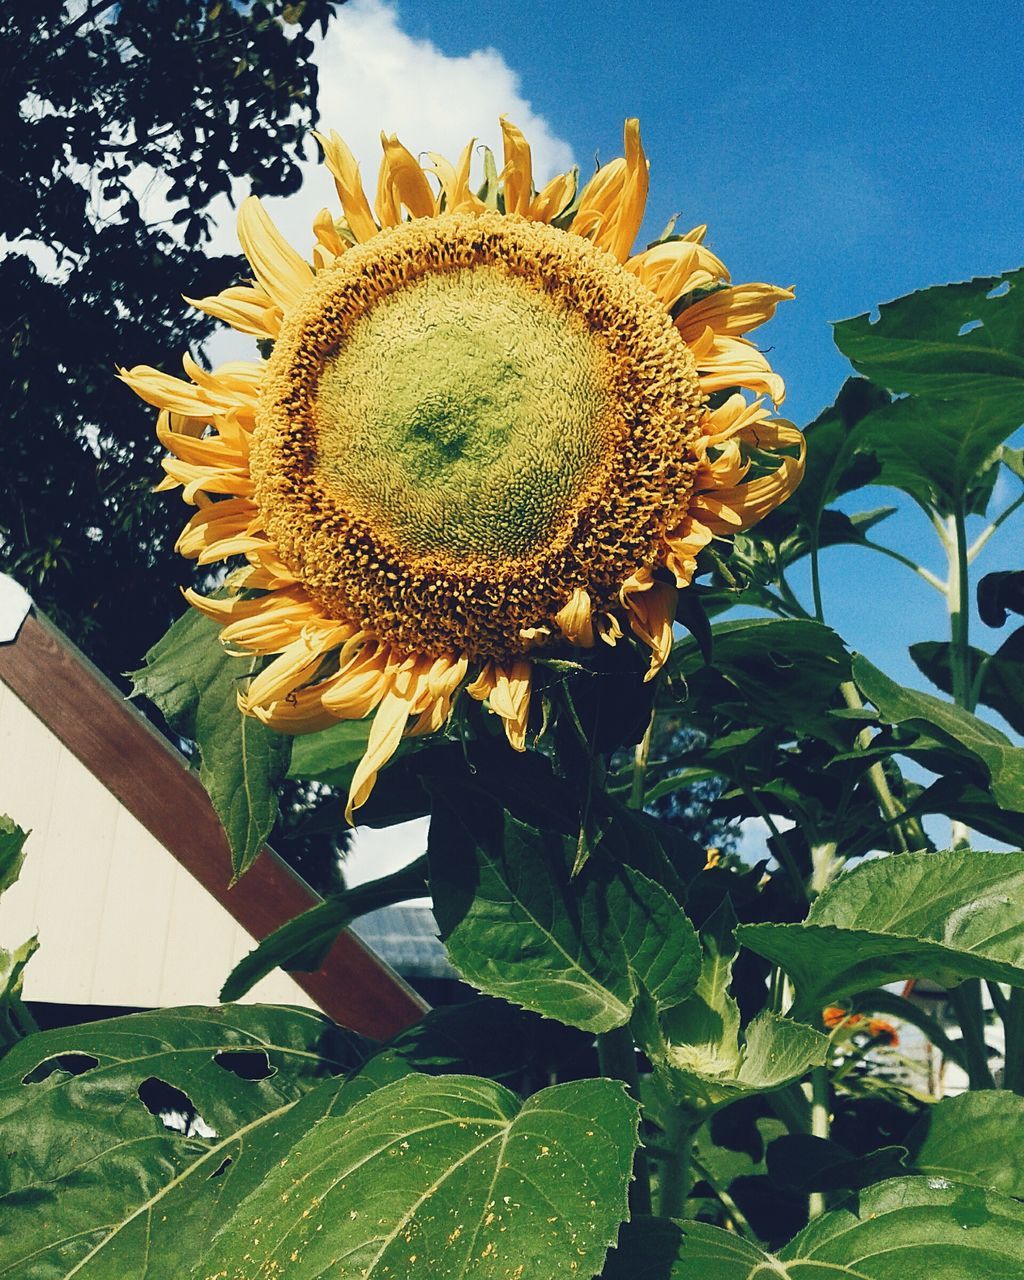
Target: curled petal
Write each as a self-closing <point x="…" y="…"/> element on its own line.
<point x="401" y="182"/>
<point x="282" y="272"/>
<point x="247" y="309"/>
<point x="345" y="171"/>
<point x="651" y="605"/>
<point x="612" y="203"/>
<point x="517" y="175"/>
<point x="735" y="311"/>
<point x="575" y="619"/>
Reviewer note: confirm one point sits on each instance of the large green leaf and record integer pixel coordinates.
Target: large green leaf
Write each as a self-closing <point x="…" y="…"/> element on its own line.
<point x="957" y="351"/>
<point x="902" y="1229"/>
<point x="977" y="1138"/>
<point x="950" y="342"/>
<point x="443" y="1176"/>
<point x="953" y="727"/>
<point x="943" y="916"/>
<point x="913" y="1227"/>
<point x="517" y="924"/>
<point x="96" y="1185"/>
<point x="331" y="755"/>
<point x="770" y="671"/>
<point x="193" y="680"/>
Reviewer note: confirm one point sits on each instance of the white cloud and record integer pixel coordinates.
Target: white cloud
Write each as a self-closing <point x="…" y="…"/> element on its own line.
<point x="374" y="77"/>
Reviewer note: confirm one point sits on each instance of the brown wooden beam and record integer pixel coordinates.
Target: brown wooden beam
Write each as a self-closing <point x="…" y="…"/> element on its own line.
<point x="154" y="783"/>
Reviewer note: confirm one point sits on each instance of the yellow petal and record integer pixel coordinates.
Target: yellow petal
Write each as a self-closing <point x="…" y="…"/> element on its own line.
<point x="736" y="310"/>
<point x="345" y="171"/>
<point x="249" y="310"/>
<point x="651" y="614"/>
<point x="386" y="732"/>
<point x="510" y="699"/>
<point x="282" y="272"/>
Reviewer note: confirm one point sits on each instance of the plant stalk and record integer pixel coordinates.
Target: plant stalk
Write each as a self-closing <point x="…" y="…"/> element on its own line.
<point x="676" y="1169"/>
<point x="1013" y="1027"/>
<point x="819" y="1129"/>
<point x="966" y="1002"/>
<point x="616" y="1056"/>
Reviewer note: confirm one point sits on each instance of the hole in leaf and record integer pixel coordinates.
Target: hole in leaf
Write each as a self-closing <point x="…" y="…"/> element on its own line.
<point x="874" y="315"/>
<point x="969" y="327"/>
<point x="1000" y="291"/>
<point x="220" y="1168"/>
<point x="173" y="1109"/>
<point x="247" y="1064"/>
<point x="69" y="1064"/>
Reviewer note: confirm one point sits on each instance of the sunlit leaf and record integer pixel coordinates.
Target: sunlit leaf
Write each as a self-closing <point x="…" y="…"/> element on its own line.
<point x="447" y="1175"/>
<point x="944" y="916"/>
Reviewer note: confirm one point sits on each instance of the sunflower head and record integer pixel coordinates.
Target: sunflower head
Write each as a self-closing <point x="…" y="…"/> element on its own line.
<point x="485" y="431"/>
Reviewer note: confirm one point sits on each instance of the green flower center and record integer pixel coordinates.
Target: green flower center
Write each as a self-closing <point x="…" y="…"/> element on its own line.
<point x="463" y="415"/>
<point x="465" y="420"/>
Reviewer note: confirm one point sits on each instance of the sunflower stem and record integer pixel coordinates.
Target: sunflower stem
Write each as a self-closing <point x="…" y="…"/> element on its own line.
<point x="819" y="1129"/>
<point x="616" y="1057"/>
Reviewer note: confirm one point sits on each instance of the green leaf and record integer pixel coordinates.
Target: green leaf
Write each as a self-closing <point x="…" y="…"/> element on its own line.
<point x="941" y="452"/>
<point x="663" y="1249"/>
<point x="1001" y="686"/>
<point x="704" y="1029"/>
<point x="977" y="1138"/>
<point x="15" y="1019"/>
<point x="955" y="728"/>
<point x="518" y="925"/>
<point x="330" y="756"/>
<point x="957" y="352"/>
<point x="777" y="672"/>
<point x="943" y="916"/>
<point x="802" y="1163"/>
<point x="94" y="1183"/>
<point x="910" y="1227"/>
<point x="302" y="943"/>
<point x="12" y="851"/>
<point x="447" y="1175"/>
<point x="771" y="1052"/>
<point x="902" y="1229"/>
<point x="193" y="680"/>
<point x="916" y="344"/>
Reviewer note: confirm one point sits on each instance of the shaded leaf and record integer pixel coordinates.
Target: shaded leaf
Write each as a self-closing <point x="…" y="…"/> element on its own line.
<point x="955" y="728"/>
<point x="1000" y="594"/>
<point x="193" y="680"/>
<point x="445" y="1175"/>
<point x="1002" y="674"/>
<point x="94" y="1182"/>
<point x="12" y="851"/>
<point x="516" y="924"/>
<point x="943" y="916"/>
<point x="804" y="1163"/>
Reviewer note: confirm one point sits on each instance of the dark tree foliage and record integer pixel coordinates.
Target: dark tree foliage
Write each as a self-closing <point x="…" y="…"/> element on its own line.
<point x="197" y="94"/>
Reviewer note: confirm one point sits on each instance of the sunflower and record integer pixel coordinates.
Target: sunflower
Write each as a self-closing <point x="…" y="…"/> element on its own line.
<point x="485" y="431"/>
